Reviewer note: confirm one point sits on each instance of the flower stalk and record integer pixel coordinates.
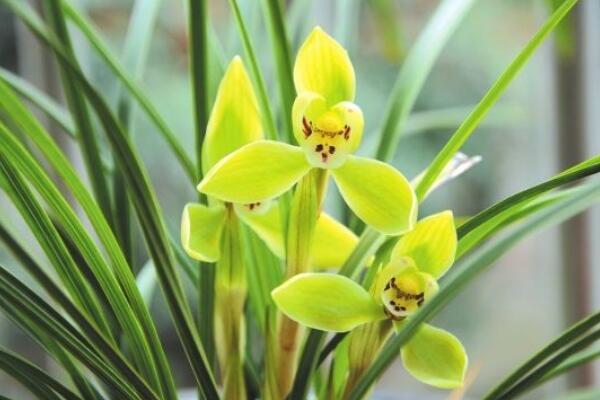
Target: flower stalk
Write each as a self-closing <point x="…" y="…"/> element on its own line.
<point x="230" y="287"/>
<point x="304" y="212"/>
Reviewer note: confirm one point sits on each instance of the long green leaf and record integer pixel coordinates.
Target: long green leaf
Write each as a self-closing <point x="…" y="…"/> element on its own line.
<point x="137" y="338"/>
<point x="283" y="63"/>
<point x="478" y="227"/>
<point x="532" y="379"/>
<point x="29" y="125"/>
<point x="86" y="28"/>
<point x="467" y="270"/>
<point x="199" y="76"/>
<point x="84" y="386"/>
<point x="40" y="225"/>
<point x="577" y="360"/>
<point x="415" y="69"/>
<point x="78" y="106"/>
<point x="42" y="101"/>
<point x="135" y="54"/>
<point x="573" y="333"/>
<point x="147" y="209"/>
<point x="27" y="309"/>
<point x="491" y="97"/>
<point x="34" y="378"/>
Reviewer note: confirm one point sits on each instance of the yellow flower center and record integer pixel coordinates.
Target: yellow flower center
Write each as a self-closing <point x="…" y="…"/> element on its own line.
<point x="326" y="140"/>
<point x="405" y="292"/>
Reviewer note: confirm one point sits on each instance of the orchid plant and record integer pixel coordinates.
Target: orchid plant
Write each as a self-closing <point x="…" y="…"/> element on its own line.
<point x="290" y="303"/>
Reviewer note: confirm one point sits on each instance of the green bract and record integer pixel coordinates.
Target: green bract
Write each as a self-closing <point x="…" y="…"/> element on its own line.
<point x="336" y="303"/>
<point x="234" y="123"/>
<point x="328" y="128"/>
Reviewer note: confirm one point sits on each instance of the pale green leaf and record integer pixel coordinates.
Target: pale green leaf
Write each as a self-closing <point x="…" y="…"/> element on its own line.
<point x="432" y="244"/>
<point x="435" y="357"/>
<point x="327" y="302"/>
<point x="257" y="172"/>
<point x="378" y="194"/>
<point x="235" y="118"/>
<point x="323" y="66"/>
<point x="201" y="229"/>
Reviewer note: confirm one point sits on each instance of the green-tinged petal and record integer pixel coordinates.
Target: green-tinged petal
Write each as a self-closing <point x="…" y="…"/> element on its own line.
<point x="201" y="228"/>
<point x="332" y="244"/>
<point x="267" y="225"/>
<point x="432" y="244"/>
<point x="257" y="172"/>
<point x="323" y="66"/>
<point x="435" y="357"/>
<point x="327" y="135"/>
<point x="378" y="194"/>
<point x="328" y="302"/>
<point x="235" y="118"/>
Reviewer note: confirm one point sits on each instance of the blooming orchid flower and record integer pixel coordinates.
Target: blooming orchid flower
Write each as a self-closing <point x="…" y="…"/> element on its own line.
<point x="235" y="122"/>
<point x="336" y="303"/>
<point x="328" y="127"/>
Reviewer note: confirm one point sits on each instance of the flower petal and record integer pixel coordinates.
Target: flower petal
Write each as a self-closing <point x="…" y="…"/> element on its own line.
<point x="327" y="135"/>
<point x="435" y="357"/>
<point x="327" y="302"/>
<point x="432" y="244"/>
<point x="235" y="118"/>
<point x="201" y="229"/>
<point x="257" y="172"/>
<point x="323" y="66"/>
<point x="378" y="194"/>
<point x="267" y="226"/>
<point x="332" y="244"/>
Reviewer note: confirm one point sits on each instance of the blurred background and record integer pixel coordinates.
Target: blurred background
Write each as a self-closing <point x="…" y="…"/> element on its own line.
<point x="548" y="120"/>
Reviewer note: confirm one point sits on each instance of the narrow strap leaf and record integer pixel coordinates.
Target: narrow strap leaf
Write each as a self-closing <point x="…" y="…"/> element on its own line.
<point x="40" y="225"/>
<point x="47" y="105"/>
<point x="568" y="336"/>
<point x="111" y="61"/>
<point x="415" y="69"/>
<point x="263" y="99"/>
<point x="141" y="349"/>
<point x="33" y="377"/>
<point x="491" y="97"/>
<point x="78" y="106"/>
<point x="26" y="308"/>
<point x="283" y="62"/>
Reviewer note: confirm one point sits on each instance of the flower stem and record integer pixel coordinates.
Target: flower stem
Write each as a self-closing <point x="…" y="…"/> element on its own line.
<point x="304" y="211"/>
<point x="230" y="286"/>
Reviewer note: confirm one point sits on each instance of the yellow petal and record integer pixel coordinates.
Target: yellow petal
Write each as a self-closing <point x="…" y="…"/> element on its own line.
<point x="432" y="244"/>
<point x="235" y="118"/>
<point x="323" y="66"/>
<point x="201" y="228"/>
<point x="257" y="172"/>
<point x="378" y="194"/>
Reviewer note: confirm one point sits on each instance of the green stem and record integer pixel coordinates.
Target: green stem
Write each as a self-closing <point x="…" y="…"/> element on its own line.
<point x="301" y="226"/>
<point x="229" y="309"/>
